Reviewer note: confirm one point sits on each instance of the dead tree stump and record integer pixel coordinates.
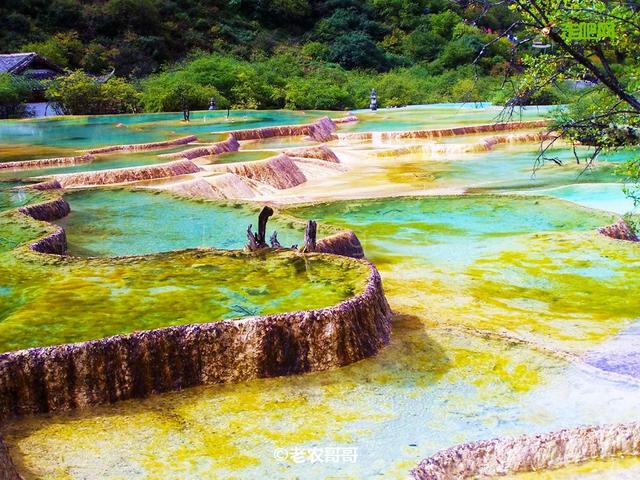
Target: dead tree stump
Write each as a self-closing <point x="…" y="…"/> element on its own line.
<point x="310" y="237"/>
<point x="259" y="239"/>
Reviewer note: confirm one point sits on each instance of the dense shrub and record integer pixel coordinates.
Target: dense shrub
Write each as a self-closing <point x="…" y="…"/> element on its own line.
<point x="14" y="92"/>
<point x="172" y="91"/>
<point x="80" y="94"/>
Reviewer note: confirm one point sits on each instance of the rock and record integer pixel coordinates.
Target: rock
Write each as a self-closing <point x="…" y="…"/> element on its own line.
<point x="47" y="162"/>
<point x="130" y="174"/>
<point x="228" y="145"/>
<point x="528" y="453"/>
<point x="47" y="211"/>
<point x="620" y="231"/>
<point x="320" y="131"/>
<point x="280" y="171"/>
<point x="321" y="152"/>
<point x="344" y="243"/>
<point x="443" y="132"/>
<point x="145" y="146"/>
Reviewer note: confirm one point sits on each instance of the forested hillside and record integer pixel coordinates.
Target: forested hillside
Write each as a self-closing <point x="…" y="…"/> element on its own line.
<point x="264" y="53"/>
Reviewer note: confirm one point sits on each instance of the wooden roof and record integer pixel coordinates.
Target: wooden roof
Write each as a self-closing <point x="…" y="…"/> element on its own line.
<point x="17" y="63"/>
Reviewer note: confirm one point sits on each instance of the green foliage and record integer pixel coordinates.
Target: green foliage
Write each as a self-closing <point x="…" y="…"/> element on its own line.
<point x="64" y="49"/>
<point x="357" y="49"/>
<point x="630" y="171"/>
<point x="141" y="37"/>
<point x="423" y="44"/>
<point x="465" y="90"/>
<point x="316" y="93"/>
<point x="14" y="92"/>
<point x="633" y="220"/>
<point x="172" y="92"/>
<point x="80" y="94"/>
<point x="316" y="51"/>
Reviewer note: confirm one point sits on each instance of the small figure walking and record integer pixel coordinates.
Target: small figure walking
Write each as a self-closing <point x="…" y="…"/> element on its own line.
<point x="186" y="113"/>
<point x="374" y="100"/>
<point x="212" y="104"/>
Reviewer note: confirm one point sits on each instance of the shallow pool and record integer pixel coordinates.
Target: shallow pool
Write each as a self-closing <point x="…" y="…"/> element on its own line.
<point x="122" y="222"/>
<point x="531" y="267"/>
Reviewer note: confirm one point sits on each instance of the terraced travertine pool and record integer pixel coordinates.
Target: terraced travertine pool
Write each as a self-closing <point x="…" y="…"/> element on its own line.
<point x="52" y="137"/>
<point x="450" y="265"/>
<point x="49" y="300"/>
<point x="118" y="222"/>
<point x="504" y="307"/>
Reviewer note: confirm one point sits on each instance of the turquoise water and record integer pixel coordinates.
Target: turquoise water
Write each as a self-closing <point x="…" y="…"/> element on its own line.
<point x="435" y="116"/>
<point x="122" y="222"/>
<point x="102" y="162"/>
<point x="507" y="168"/>
<point x="529" y="266"/>
<point x="85" y="132"/>
<point x="533" y="267"/>
<point x="605" y="196"/>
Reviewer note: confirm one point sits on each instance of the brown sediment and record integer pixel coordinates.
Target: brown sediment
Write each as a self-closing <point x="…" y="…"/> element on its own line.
<point x="8" y="469"/>
<point x="198" y="188"/>
<point x="145" y="146"/>
<point x="52" y="185"/>
<point x="280" y="171"/>
<point x="65" y="377"/>
<point x="344" y="243"/>
<point x="47" y="211"/>
<point x="483" y="145"/>
<point x="620" y="231"/>
<point x="321" y="131"/>
<point x="444" y="132"/>
<point x="347" y="119"/>
<point x="228" y="145"/>
<point x="47" y="162"/>
<point x="321" y="152"/>
<point x="528" y="453"/>
<point x="54" y="243"/>
<point x="129" y="174"/>
<point x="230" y="185"/>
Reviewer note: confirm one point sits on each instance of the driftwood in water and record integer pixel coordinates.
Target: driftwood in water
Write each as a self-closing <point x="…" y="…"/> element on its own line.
<point x="274" y="240"/>
<point x="259" y="240"/>
<point x="310" y="237"/>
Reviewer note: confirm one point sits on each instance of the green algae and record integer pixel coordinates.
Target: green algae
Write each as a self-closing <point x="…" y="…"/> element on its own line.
<point x="46" y="300"/>
<point x="528" y="267"/>
<point x="450" y="265"/>
<point x="130" y="294"/>
<point x="534" y="267"/>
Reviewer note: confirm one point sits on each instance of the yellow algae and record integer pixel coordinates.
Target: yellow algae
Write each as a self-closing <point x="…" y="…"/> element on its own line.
<point x="230" y="430"/>
<point x="531" y="268"/>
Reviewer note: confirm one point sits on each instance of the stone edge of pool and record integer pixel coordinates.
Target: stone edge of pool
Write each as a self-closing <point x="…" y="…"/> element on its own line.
<point x="136" y="365"/>
<point x="63" y="377"/>
<point x="529" y="453"/>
